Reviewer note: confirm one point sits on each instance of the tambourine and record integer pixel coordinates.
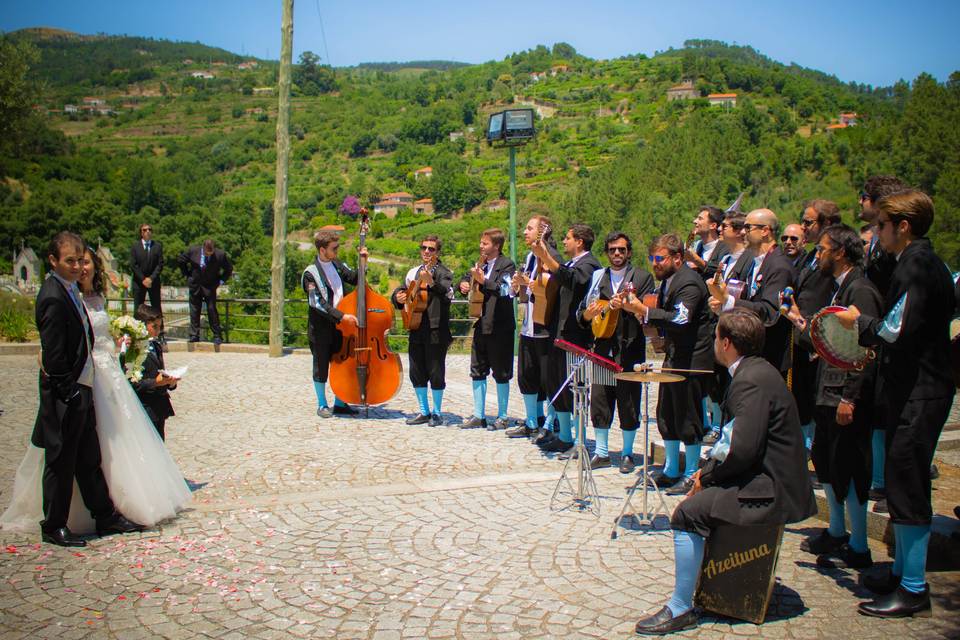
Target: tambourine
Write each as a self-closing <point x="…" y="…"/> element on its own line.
<point x="837" y="345"/>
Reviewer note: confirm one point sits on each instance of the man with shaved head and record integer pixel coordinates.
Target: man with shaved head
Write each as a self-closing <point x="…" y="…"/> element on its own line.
<point x="772" y="273"/>
<point x="792" y="242"/>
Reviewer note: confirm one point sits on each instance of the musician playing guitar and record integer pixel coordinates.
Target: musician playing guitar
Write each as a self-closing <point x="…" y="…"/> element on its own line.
<point x="573" y="277"/>
<point x="491" y="350"/>
<point x="535" y="343"/>
<point x="682" y="315"/>
<point x="430" y="340"/>
<point x="618" y="283"/>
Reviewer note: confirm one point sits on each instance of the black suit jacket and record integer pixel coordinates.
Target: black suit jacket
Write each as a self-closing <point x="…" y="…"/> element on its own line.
<point x="683" y="317"/>
<point x="322" y="321"/>
<point x="146" y="265"/>
<point x="709" y="269"/>
<point x="743" y="267"/>
<point x="497" y="304"/>
<point x="627" y="346"/>
<point x="767" y="462"/>
<point x="878" y="265"/>
<point x="62" y="357"/>
<point x="572" y="285"/>
<point x="155" y="400"/>
<point x="437" y="314"/>
<point x="916" y="364"/>
<point x="776" y="273"/>
<point x="205" y="281"/>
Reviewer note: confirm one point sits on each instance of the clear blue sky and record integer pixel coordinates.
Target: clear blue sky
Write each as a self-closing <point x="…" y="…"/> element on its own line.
<point x="875" y="42"/>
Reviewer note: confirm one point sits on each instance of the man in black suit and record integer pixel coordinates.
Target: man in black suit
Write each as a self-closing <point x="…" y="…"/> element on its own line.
<point x="206" y="267"/>
<point x="429" y="342"/>
<point x="683" y="318"/>
<point x="154" y="386"/>
<point x="772" y="273"/>
<point x="914" y="393"/>
<point x="755" y="475"/>
<point x="146" y="262"/>
<point x="792" y="241"/>
<point x="491" y="350"/>
<point x="66" y="424"/>
<point x="572" y="280"/>
<point x="706" y="253"/>
<point x="618" y="283"/>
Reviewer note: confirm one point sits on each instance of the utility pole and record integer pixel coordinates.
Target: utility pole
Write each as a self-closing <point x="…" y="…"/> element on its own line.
<point x="278" y="266"/>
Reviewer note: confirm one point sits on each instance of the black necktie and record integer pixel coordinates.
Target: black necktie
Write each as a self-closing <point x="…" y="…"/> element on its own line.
<point x="700" y="250"/>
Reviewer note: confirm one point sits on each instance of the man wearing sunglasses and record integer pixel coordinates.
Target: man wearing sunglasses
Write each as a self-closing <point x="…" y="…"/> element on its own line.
<point x="428" y="343"/>
<point x="146" y="263"/>
<point x="792" y="242"/>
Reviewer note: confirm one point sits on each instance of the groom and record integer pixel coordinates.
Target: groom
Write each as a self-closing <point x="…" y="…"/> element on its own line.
<point x="66" y="425"/>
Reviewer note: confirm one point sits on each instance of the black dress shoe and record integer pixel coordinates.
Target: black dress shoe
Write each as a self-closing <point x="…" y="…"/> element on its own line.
<point x="344" y="410"/>
<point x="682" y="487"/>
<point x="118" y="524"/>
<point x="545" y="438"/>
<point x="627" y="465"/>
<point x="474" y="423"/>
<point x="662" y="479"/>
<point x="557" y="446"/>
<point x="877" y="494"/>
<point x="663" y="622"/>
<point x="599" y="462"/>
<point x="899" y="604"/>
<point x="823" y="543"/>
<point x="881" y="583"/>
<point x="436" y="420"/>
<point x="499" y="424"/>
<point x="846" y="558"/>
<point x="520" y="431"/>
<point x="324" y="412"/>
<point x="420" y="419"/>
<point x="62" y="537"/>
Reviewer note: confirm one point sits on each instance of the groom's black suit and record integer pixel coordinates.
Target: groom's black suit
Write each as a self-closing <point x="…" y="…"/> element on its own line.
<point x="66" y="424"/>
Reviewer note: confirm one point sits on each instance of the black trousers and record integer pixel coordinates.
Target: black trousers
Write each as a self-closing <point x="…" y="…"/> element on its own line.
<point x="78" y="457"/>
<point x="322" y="348"/>
<point x="492" y="353"/>
<point x="680" y="408"/>
<point x="428" y="361"/>
<point x="626" y="397"/>
<point x="842" y="453"/>
<point x="532" y="365"/>
<point x="197" y="300"/>
<point x="717" y="506"/>
<point x="804" y="387"/>
<point x="555" y="376"/>
<point x="911" y="441"/>
<point x="140" y="295"/>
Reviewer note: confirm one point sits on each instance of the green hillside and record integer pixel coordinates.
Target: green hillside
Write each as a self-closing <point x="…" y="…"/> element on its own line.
<point x="195" y="155"/>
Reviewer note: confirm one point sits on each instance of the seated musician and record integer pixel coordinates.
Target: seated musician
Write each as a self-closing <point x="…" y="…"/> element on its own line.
<point x="323" y="283"/>
<point x="756" y="474"/>
<point x="429" y="342"/>
<point x="626" y="347"/>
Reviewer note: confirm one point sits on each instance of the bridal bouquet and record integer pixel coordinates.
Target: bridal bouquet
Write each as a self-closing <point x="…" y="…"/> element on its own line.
<point x="134" y="353"/>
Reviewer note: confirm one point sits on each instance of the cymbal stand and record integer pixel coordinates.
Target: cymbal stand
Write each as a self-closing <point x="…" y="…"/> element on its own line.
<point x="586" y="496"/>
<point x="646" y="517"/>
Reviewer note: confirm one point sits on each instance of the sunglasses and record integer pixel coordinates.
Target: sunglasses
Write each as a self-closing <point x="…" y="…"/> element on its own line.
<point x="146" y="229"/>
<point x="807" y="223"/>
<point x="657" y="259"/>
<point x="750" y="226"/>
<point x="790" y="238"/>
<point x="424" y="247"/>
<point x="864" y="196"/>
<point x="617" y="249"/>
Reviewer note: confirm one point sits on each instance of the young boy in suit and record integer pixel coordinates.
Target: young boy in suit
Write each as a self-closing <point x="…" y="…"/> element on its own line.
<point x="154" y="386"/>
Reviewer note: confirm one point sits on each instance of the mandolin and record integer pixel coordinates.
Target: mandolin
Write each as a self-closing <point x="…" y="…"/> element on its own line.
<point x="605" y="323"/>
<point x="417" y="294"/>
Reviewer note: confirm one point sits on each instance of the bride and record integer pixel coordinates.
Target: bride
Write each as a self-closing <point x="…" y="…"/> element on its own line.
<point x="145" y="483"/>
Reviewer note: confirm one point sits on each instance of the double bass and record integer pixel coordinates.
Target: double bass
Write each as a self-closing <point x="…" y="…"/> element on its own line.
<point x="365" y="371"/>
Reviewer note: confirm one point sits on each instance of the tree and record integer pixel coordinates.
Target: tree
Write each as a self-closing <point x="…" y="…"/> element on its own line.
<point x="312" y="78"/>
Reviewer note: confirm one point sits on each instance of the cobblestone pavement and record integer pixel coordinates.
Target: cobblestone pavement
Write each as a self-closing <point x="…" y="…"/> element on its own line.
<point x="367" y="528"/>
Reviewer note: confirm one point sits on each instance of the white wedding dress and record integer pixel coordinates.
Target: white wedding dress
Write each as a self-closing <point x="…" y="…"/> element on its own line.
<point x="145" y="483"/>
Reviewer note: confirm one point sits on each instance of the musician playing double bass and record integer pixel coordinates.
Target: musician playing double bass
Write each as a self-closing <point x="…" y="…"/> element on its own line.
<point x="323" y="283"/>
<point x="491" y="351"/>
<point x="573" y="279"/>
<point x="682" y="316"/>
<point x="618" y="283"/>
<point x="429" y="342"/>
<point x="535" y="340"/>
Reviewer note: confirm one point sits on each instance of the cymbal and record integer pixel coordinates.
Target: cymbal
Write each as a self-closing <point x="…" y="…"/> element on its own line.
<point x="648" y="376"/>
<point x="688" y="370"/>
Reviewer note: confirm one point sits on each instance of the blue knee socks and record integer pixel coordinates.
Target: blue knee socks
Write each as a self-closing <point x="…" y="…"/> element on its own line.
<point x="337" y="402"/>
<point x="628" y="438"/>
<point x="808" y="430"/>
<point x="563" y="417"/>
<point x="691" y="459"/>
<point x="531" y="407"/>
<point x="879" y="446"/>
<point x="837" y="526"/>
<point x="912" y="546"/>
<point x="897" y="568"/>
<point x="503" y="398"/>
<point x="437" y="400"/>
<point x="602" y="437"/>
<point x="671" y="465"/>
<point x="858" y="521"/>
<point x="321" y="390"/>
<point x="687" y="558"/>
<point x="479" y="398"/>
<point x="551" y="415"/>
<point x="421" y="393"/>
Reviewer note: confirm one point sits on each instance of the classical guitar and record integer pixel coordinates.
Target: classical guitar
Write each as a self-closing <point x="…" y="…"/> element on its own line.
<point x="605" y="323"/>
<point x="476" y="295"/>
<point x="651" y="332"/>
<point x="544" y="293"/>
<point x="417" y="294"/>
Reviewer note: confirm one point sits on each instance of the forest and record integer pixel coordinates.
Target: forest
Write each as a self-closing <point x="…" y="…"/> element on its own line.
<point x="195" y="156"/>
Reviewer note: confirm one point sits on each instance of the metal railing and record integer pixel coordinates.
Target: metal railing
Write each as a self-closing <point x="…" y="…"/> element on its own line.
<point x="247" y="320"/>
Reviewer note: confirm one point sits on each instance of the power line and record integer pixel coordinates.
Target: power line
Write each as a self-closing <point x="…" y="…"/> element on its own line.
<point x="326" y="52"/>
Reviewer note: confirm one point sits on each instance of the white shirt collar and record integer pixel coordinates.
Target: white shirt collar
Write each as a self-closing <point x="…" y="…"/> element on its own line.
<point x="732" y="369"/>
<point x="843" y="276"/>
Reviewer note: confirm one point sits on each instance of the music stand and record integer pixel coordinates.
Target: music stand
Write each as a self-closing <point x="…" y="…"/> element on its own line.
<point x="648" y="516"/>
<point x="585" y="369"/>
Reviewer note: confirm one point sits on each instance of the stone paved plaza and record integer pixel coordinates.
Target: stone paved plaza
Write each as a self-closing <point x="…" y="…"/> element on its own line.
<point x="367" y="528"/>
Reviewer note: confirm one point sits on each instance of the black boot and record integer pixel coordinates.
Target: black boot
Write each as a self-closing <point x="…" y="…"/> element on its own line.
<point x="899" y="604"/>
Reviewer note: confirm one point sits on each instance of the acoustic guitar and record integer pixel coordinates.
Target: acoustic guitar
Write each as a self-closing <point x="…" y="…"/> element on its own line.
<point x="544" y="292"/>
<point x="476" y="295"/>
<point x="417" y="294"/>
<point x="605" y="323"/>
<point x="657" y="341"/>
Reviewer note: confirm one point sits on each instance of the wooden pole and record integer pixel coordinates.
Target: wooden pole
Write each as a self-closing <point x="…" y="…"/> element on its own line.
<point x="278" y="266"/>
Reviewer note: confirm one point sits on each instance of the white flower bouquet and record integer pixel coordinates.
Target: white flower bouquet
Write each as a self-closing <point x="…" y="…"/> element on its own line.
<point x="134" y="352"/>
